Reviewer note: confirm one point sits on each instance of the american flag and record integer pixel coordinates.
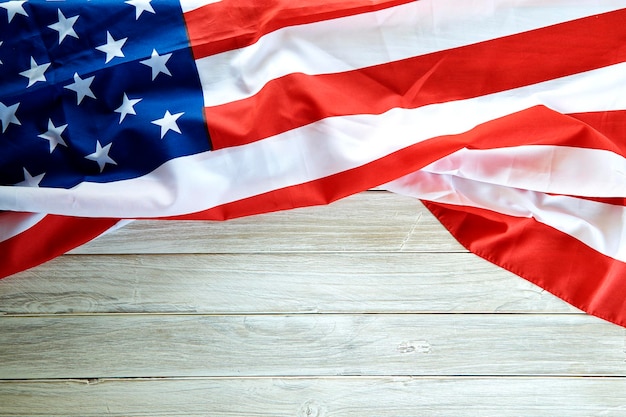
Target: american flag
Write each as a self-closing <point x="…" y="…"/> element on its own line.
<point x="506" y="116"/>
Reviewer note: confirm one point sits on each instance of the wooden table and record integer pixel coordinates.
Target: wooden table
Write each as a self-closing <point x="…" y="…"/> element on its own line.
<point x="366" y="307"/>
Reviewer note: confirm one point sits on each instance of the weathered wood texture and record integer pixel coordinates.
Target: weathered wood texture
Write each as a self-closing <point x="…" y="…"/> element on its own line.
<point x="308" y="345"/>
<point x="369" y="222"/>
<point x="273" y="283"/>
<point x="318" y="397"/>
<point x="365" y="307"/>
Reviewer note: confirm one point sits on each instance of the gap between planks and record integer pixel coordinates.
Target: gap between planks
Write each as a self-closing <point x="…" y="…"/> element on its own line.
<point x="399" y="377"/>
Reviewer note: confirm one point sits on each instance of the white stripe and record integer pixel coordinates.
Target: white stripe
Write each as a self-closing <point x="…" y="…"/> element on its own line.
<point x="544" y="168"/>
<point x="332" y="145"/>
<point x="14" y="223"/>
<point x="189" y="5"/>
<point x="379" y="37"/>
<point x="595" y="224"/>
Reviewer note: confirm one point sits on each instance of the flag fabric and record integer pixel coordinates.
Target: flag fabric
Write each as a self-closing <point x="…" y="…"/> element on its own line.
<point x="506" y="117"/>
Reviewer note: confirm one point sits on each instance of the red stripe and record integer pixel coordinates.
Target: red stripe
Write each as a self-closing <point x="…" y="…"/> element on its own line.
<point x="228" y="25"/>
<point x="461" y="73"/>
<point x="551" y="259"/>
<point x="611" y="124"/>
<point x="51" y="237"/>
<point x="538" y="125"/>
<point x="534" y="126"/>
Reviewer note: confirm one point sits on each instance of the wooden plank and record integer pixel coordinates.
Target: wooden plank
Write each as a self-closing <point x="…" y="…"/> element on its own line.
<point x="273" y="283"/>
<point x="328" y="397"/>
<point x="370" y="221"/>
<point x="308" y="345"/>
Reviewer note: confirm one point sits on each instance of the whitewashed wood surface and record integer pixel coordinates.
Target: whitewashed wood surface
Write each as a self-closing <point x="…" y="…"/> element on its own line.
<point x="366" y="307"/>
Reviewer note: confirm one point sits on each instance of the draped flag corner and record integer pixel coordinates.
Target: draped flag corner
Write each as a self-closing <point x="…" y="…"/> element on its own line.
<point x="506" y="117"/>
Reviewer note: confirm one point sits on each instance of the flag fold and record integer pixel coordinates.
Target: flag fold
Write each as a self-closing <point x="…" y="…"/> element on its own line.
<point x="506" y="117"/>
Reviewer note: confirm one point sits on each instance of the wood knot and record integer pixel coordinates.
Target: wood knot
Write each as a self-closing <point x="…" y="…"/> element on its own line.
<point x="419" y="346"/>
<point x="311" y="409"/>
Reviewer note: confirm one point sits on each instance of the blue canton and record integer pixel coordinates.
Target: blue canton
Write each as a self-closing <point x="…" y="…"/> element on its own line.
<point x="95" y="91"/>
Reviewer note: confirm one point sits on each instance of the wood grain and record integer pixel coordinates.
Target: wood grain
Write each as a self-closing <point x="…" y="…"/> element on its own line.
<point x="327" y="397"/>
<point x="373" y="221"/>
<point x="308" y="345"/>
<point x="365" y="307"/>
<point x="273" y="283"/>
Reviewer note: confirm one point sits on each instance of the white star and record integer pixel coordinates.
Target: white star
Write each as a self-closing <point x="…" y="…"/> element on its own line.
<point x="7" y="115"/>
<point x="35" y="73"/>
<point x="1" y="45"/>
<point x="64" y="26"/>
<point x="29" y="180"/>
<point x="127" y="107"/>
<point x="53" y="135"/>
<point x="101" y="155"/>
<point x="140" y="7"/>
<point x="157" y="63"/>
<point x="81" y="87"/>
<point x="112" y="48"/>
<point x="13" y="8"/>
<point x="168" y="122"/>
